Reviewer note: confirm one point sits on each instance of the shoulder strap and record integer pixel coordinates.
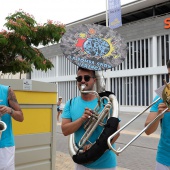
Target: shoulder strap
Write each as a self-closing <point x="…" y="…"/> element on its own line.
<point x="70" y="101"/>
<point x="105" y="93"/>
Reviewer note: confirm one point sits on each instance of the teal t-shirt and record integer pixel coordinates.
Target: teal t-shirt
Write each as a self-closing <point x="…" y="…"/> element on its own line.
<point x="7" y="137"/>
<point x="163" y="152"/>
<point x="74" y="112"/>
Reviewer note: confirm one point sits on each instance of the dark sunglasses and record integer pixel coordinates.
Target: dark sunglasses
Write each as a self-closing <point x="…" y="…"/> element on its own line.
<point x="86" y="78"/>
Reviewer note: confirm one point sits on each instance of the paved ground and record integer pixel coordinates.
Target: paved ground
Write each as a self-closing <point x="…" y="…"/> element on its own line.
<point x="64" y="162"/>
<point x="140" y="155"/>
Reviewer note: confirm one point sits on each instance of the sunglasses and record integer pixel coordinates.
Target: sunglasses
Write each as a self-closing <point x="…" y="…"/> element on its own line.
<point x="86" y="78"/>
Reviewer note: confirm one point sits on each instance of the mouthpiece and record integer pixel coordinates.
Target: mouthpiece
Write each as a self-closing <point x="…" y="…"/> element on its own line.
<point x="82" y="87"/>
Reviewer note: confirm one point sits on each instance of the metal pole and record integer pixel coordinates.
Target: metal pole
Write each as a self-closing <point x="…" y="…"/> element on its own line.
<point x="107" y="13"/>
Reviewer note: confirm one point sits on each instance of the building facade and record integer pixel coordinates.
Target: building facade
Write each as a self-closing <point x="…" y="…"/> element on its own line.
<point x="146" y="29"/>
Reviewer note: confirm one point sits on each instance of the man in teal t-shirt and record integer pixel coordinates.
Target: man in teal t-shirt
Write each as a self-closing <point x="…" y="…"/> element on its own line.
<point x="76" y="113"/>
<point x="9" y="108"/>
<point x="163" y="151"/>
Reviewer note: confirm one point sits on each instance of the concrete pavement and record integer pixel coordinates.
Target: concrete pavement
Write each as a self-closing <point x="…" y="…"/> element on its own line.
<point x="64" y="162"/>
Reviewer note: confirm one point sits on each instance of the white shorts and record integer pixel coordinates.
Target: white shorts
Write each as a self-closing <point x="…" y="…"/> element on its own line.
<point x="81" y="167"/>
<point x="161" y="166"/>
<point x="7" y="158"/>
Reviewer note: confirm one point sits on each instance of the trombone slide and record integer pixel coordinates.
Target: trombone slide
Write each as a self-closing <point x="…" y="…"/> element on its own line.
<point x="119" y="150"/>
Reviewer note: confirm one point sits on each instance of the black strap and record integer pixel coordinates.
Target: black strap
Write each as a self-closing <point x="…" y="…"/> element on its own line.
<point x="105" y="93"/>
<point x="100" y="146"/>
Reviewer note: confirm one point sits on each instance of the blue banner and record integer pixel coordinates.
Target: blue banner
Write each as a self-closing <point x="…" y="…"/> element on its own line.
<point x="115" y="17"/>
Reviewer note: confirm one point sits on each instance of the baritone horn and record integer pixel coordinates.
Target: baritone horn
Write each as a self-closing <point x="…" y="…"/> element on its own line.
<point x="166" y="100"/>
<point x="97" y="119"/>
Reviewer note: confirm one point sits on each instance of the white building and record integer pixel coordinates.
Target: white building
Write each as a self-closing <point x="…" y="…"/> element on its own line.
<point x="146" y="28"/>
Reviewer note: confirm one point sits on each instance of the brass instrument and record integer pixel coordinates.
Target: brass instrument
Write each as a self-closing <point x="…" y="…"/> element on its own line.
<point x="3" y="127"/>
<point x="95" y="120"/>
<point x="166" y="99"/>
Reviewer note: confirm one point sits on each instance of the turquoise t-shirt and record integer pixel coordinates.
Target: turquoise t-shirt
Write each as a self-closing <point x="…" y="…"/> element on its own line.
<point x="74" y="112"/>
<point x="163" y="152"/>
<point x="7" y="137"/>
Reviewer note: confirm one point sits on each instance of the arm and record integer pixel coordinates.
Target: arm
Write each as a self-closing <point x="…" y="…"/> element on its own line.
<point x="152" y="116"/>
<point x="69" y="127"/>
<point x="14" y="109"/>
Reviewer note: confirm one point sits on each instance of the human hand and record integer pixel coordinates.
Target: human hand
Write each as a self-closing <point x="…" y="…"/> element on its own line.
<point x="87" y="147"/>
<point x="4" y="109"/>
<point x="87" y="114"/>
<point x="161" y="108"/>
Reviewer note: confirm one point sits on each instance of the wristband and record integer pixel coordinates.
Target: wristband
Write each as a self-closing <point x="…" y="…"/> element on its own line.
<point x="12" y="111"/>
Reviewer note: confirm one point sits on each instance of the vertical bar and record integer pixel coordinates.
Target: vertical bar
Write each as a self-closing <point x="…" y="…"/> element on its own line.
<point x="149" y="52"/>
<point x="159" y="52"/>
<point x="123" y="90"/>
<point x="126" y="92"/>
<point x="145" y="91"/>
<point x="116" y="91"/>
<point x="149" y="90"/>
<point x="141" y="90"/>
<point x="133" y="90"/>
<point x="137" y="57"/>
<point x="164" y="45"/>
<point x="169" y="45"/>
<point x="165" y="41"/>
<point x="107" y="13"/>
<point x="130" y="92"/>
<point x="132" y="54"/>
<point x="119" y="89"/>
<point x="144" y="51"/>
<point x="140" y="53"/>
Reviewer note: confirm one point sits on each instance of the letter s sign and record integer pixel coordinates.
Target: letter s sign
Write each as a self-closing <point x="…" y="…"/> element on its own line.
<point x="167" y="23"/>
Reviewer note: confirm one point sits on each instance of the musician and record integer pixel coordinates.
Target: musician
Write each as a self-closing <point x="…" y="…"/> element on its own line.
<point x="163" y="151"/>
<point x="59" y="110"/>
<point x="77" y="112"/>
<point x="9" y="108"/>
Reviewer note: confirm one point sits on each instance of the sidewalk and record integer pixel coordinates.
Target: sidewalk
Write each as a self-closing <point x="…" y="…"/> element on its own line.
<point x="64" y="162"/>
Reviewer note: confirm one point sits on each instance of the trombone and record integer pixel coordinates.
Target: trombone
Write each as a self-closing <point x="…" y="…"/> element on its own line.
<point x="166" y="99"/>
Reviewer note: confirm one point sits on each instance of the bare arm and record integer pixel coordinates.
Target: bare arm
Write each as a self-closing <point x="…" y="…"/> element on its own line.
<point x="154" y="126"/>
<point x="152" y="116"/>
<point x="69" y="127"/>
<point x="14" y="109"/>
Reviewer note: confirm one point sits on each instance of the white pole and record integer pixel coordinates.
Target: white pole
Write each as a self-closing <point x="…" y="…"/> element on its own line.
<point x="107" y="25"/>
<point x="107" y="13"/>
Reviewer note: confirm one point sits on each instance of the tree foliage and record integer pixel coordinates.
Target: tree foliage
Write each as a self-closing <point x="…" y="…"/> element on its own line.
<point x="19" y="43"/>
